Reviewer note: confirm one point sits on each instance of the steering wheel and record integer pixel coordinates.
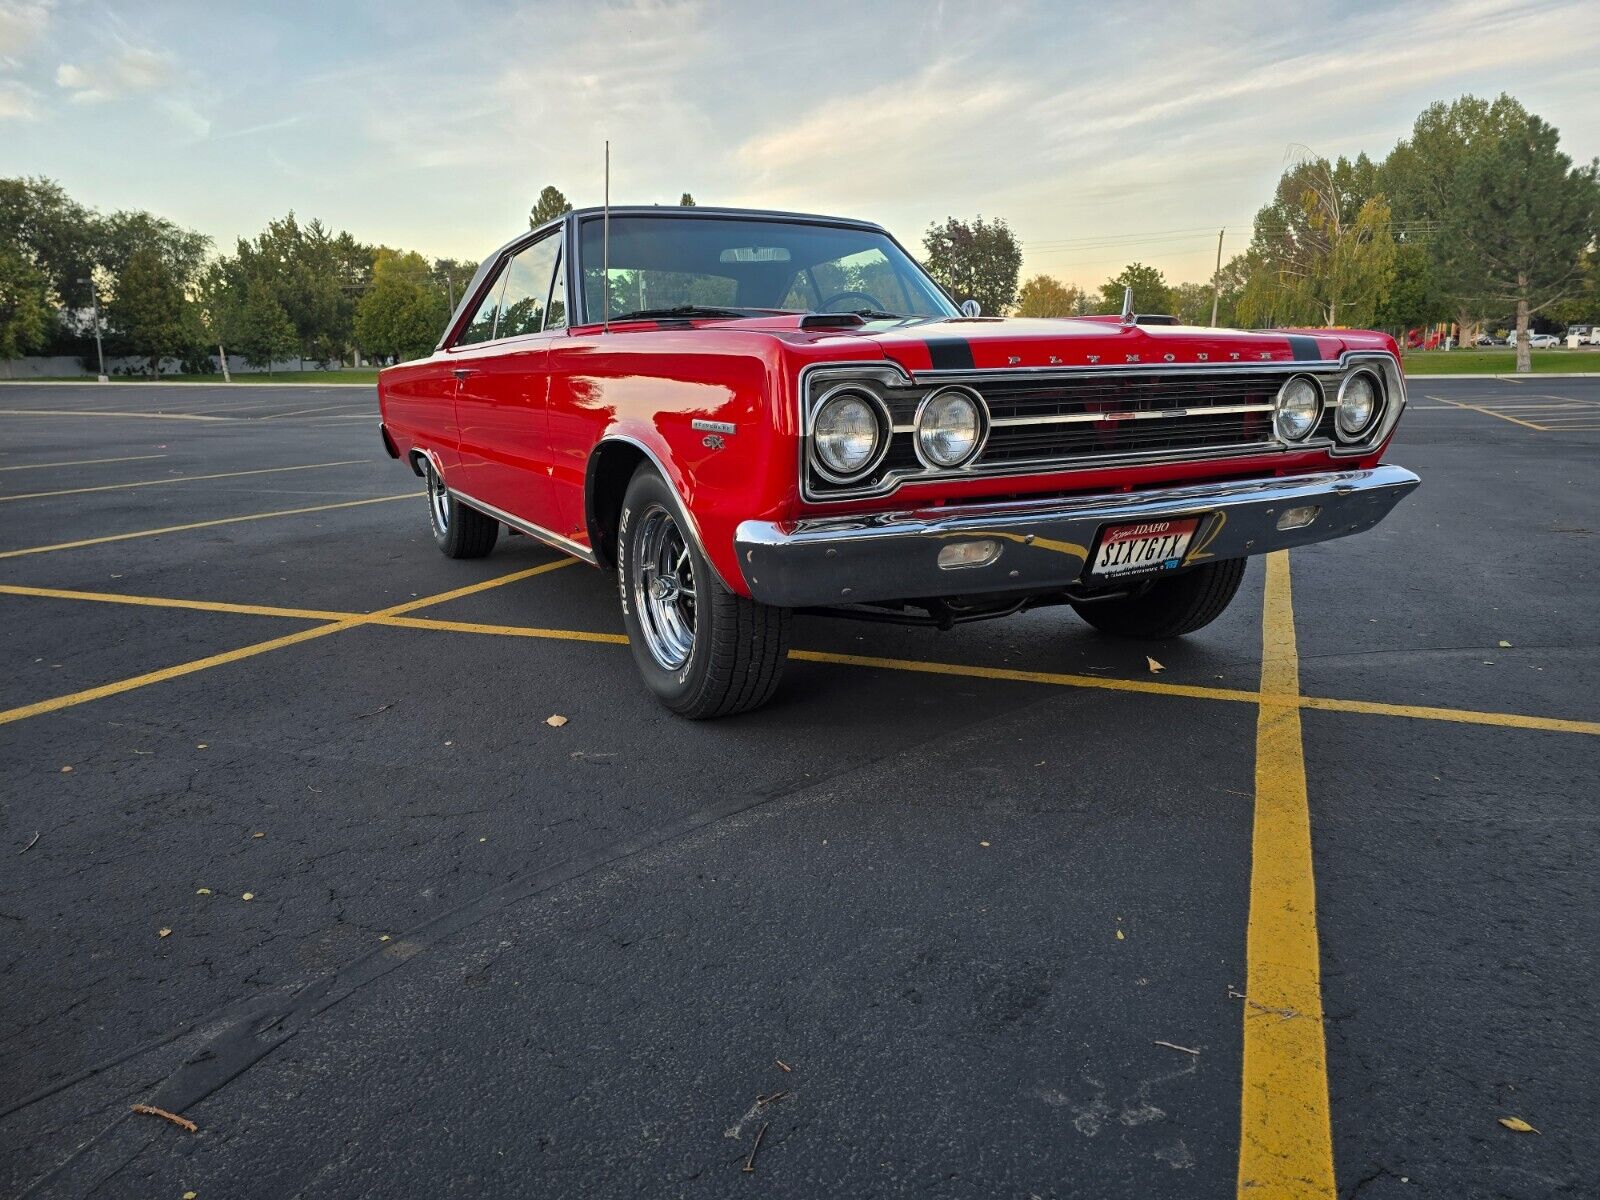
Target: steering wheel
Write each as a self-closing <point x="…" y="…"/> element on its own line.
<point x="872" y="301"/>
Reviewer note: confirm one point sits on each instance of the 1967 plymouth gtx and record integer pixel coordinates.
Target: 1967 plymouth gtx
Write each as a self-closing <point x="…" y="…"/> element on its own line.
<point x="745" y="414"/>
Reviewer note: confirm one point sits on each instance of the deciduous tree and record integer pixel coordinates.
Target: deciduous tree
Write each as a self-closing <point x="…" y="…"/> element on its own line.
<point x="402" y="314"/>
<point x="1150" y="291"/>
<point x="147" y="309"/>
<point x="1520" y="224"/>
<point x="24" y="311"/>
<point x="978" y="260"/>
<point x="1046" y="296"/>
<point x="260" y="330"/>
<point x="686" y="201"/>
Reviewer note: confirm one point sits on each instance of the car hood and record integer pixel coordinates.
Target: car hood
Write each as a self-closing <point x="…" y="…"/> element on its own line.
<point x="1011" y="343"/>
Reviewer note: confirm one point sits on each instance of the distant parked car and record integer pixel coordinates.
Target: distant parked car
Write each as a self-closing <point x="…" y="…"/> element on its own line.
<point x="1489" y="339"/>
<point x="1543" y="341"/>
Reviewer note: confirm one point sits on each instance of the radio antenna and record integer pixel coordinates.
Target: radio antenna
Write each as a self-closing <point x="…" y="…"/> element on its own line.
<point x="605" y="246"/>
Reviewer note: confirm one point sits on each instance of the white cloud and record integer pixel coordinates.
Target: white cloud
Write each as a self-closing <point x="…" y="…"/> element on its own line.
<point x="22" y="23"/>
<point x="16" y="101"/>
<point x="131" y="69"/>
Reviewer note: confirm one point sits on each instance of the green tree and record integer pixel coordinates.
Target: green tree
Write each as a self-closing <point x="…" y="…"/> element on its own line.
<point x="53" y="233"/>
<point x="1520" y="224"/>
<point x="259" y="327"/>
<point x="1413" y="295"/>
<point x="314" y="275"/>
<point x="1150" y="291"/>
<point x="1046" y="296"/>
<point x="550" y="205"/>
<point x="1192" y="303"/>
<point x="686" y="201"/>
<point x="1321" y="254"/>
<point x="24" y="307"/>
<point x="978" y="260"/>
<point x="402" y="313"/>
<point x="147" y="309"/>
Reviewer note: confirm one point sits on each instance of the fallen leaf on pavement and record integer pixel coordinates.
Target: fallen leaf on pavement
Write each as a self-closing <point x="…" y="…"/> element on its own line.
<point x="163" y="933"/>
<point x="1517" y="1124"/>
<point x="248" y="896"/>
<point x="1155" y="667"/>
<point x="256" y="835"/>
<point x="202" y="891"/>
<point x="1120" y="938"/>
<point x="1504" y="645"/>
<point x="66" y="770"/>
<point x="555" y="722"/>
<point x="153" y="1111"/>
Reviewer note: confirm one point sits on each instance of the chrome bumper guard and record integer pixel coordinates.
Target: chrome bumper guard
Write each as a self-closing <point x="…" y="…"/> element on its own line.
<point x="1044" y="545"/>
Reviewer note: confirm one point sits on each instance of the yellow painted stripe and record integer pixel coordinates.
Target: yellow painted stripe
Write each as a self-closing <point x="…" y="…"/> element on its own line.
<point x="250" y="610"/>
<point x="1463" y="716"/>
<point x="55" y="704"/>
<point x="1285" y="1136"/>
<point x="1489" y="412"/>
<point x="118" y="487"/>
<point x="90" y="412"/>
<point x="82" y="462"/>
<point x="144" y="533"/>
<point x="526" y="631"/>
<point x="1146" y="686"/>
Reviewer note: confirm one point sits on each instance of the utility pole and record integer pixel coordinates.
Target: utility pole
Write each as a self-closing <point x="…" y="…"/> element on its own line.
<point x="100" y="350"/>
<point x="1216" y="278"/>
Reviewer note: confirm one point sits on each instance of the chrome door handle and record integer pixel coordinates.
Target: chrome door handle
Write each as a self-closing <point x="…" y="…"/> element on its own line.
<point x="461" y="372"/>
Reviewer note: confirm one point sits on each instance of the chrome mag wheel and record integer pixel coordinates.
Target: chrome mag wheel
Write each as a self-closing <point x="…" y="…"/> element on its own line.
<point x="438" y="501"/>
<point x="663" y="587"/>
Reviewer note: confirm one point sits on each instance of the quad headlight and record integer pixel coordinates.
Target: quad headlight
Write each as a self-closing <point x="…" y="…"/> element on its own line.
<point x="1360" y="398"/>
<point x="849" y="434"/>
<point x="950" y="427"/>
<point x="1298" y="408"/>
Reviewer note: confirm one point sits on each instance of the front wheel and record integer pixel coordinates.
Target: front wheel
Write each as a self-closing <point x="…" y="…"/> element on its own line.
<point x="1168" y="607"/>
<point x="703" y="650"/>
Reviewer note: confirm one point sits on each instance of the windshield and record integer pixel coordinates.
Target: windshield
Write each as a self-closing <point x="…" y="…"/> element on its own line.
<point x="661" y="263"/>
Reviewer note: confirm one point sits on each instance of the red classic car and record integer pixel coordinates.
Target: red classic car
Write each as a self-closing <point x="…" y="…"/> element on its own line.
<point x="745" y="414"/>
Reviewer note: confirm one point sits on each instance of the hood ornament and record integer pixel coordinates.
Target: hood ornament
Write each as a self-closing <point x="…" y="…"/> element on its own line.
<point x="1127" y="306"/>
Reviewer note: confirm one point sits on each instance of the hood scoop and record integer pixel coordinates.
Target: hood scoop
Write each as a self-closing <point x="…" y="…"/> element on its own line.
<point x="831" y="321"/>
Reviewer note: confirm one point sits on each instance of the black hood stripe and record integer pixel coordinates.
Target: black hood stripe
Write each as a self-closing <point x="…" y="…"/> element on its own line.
<point x="1304" y="349"/>
<point x="950" y="354"/>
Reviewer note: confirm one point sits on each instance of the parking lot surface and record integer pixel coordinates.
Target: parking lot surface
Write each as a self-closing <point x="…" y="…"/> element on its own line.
<point x="291" y="851"/>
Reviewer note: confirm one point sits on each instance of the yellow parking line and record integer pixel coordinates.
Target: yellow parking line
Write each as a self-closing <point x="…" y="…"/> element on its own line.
<point x="144" y="533"/>
<point x="1489" y="412"/>
<point x="82" y="462"/>
<point x="90" y="412"/>
<point x="119" y="487"/>
<point x="55" y="704"/>
<point x="1056" y="679"/>
<point x="1285" y="1137"/>
<point x="251" y="610"/>
<point x="1145" y="686"/>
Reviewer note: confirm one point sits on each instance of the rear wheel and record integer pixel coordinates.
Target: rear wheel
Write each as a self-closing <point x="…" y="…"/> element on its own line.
<point x="459" y="530"/>
<point x="1169" y="607"/>
<point x="703" y="650"/>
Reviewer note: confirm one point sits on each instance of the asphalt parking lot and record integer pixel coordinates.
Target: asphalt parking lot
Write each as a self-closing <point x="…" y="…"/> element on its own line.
<point x="289" y="849"/>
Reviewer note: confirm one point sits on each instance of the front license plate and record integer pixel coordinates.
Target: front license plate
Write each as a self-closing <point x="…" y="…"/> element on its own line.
<point x="1143" y="548"/>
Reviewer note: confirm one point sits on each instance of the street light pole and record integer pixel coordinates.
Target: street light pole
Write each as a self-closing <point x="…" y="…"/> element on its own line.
<point x="99" y="349"/>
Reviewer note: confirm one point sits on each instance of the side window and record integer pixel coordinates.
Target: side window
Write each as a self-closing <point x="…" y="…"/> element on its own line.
<point x="481" y="327"/>
<point x="802" y="293"/>
<point x="556" y="318"/>
<point x="528" y="288"/>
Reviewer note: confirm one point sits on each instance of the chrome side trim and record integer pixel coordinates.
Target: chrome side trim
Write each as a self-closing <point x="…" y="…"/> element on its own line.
<point x="549" y="536"/>
<point x="1153" y="368"/>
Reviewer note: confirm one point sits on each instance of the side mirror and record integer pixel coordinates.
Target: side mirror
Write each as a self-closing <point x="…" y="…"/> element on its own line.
<point x="971" y="308"/>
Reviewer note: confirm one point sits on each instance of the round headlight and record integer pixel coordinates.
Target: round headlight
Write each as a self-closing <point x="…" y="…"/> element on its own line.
<point x="1299" y="405"/>
<point x="847" y="434"/>
<point x="949" y="428"/>
<point x="1358" y="403"/>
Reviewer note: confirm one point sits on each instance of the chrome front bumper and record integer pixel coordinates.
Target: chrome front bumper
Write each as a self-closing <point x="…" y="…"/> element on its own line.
<point x="1044" y="544"/>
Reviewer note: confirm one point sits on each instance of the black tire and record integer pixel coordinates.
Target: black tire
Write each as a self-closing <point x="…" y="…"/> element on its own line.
<point x="1169" y="607"/>
<point x="459" y="530"/>
<point x="716" y="654"/>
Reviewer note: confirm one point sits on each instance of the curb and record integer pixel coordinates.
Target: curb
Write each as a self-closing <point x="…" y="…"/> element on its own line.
<point x="1507" y="378"/>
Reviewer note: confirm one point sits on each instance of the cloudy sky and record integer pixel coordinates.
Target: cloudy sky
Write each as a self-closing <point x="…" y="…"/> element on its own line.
<point x="1103" y="133"/>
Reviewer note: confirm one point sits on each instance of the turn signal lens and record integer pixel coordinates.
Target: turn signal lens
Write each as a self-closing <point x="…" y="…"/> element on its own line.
<point x="978" y="553"/>
<point x="1299" y="405"/>
<point x="1298" y="518"/>
<point x="949" y="428"/>
<point x="847" y="434"/>
<point x="1358" y="404"/>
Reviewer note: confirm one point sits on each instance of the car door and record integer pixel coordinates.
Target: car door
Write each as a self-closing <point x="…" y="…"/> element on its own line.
<point x="503" y="387"/>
